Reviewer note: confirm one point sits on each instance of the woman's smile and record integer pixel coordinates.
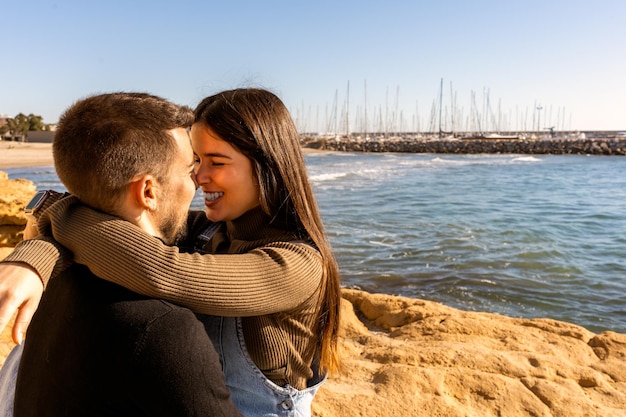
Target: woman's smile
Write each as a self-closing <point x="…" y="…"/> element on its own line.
<point x="211" y="198"/>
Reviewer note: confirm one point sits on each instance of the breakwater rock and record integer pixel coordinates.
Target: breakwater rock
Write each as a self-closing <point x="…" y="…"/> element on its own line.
<point x="599" y="146"/>
<point x="14" y="195"/>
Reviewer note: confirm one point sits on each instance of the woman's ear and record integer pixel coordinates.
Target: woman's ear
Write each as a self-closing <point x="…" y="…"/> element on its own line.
<point x="144" y="192"/>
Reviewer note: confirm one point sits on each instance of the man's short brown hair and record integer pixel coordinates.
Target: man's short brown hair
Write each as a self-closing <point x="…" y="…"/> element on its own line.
<point x="105" y="141"/>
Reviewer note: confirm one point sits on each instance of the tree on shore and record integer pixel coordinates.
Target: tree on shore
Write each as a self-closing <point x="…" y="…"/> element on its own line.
<point x="35" y="122"/>
<point x="21" y="124"/>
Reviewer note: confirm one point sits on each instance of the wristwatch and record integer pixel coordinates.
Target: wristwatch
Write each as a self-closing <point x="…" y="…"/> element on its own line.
<point x="37" y="202"/>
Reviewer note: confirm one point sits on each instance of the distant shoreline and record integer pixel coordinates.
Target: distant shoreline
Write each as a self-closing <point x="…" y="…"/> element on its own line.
<point x="25" y="154"/>
<point x="31" y="154"/>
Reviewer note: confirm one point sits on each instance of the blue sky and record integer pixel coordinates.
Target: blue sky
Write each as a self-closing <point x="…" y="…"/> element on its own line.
<point x="499" y="60"/>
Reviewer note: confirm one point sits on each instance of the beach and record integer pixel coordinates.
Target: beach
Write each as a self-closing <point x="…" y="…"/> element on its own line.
<point x="25" y="154"/>
<point x="28" y="154"/>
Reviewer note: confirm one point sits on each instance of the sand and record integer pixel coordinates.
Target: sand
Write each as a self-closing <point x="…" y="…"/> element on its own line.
<point x="25" y="154"/>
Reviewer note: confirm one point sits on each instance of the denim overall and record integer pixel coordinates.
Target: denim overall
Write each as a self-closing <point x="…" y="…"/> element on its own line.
<point x="8" y="376"/>
<point x="251" y="391"/>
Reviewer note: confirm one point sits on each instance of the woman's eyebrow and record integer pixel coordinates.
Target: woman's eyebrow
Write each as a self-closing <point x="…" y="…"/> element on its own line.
<point x="216" y="154"/>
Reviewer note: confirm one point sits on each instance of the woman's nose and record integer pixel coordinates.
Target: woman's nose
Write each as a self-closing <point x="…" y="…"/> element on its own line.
<point x="201" y="176"/>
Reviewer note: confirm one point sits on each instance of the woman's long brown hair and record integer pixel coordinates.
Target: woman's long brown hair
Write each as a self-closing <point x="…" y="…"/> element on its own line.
<point x="258" y="124"/>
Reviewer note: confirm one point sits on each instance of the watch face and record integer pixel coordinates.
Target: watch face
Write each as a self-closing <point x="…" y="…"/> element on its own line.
<point x="37" y="201"/>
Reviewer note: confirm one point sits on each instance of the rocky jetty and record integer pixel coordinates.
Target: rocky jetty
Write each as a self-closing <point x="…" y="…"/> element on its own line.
<point x="411" y="357"/>
<point x="595" y="146"/>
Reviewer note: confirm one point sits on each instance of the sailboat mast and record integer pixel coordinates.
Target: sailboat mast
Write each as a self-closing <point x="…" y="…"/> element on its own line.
<point x="365" y="108"/>
<point x="440" y="104"/>
<point x="348" y="112"/>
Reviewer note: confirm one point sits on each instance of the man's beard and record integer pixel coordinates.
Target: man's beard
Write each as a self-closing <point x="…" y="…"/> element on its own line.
<point x="173" y="226"/>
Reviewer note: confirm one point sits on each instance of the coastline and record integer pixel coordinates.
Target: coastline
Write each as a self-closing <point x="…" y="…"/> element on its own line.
<point x="25" y="154"/>
<point x="30" y="154"/>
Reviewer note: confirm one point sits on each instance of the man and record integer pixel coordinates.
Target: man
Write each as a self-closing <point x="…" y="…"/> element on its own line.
<point x="97" y="349"/>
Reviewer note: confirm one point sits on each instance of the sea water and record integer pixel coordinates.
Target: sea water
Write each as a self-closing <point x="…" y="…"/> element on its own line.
<point x="520" y="235"/>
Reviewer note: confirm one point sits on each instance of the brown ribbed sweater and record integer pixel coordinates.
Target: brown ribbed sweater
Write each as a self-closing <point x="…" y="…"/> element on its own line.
<point x="251" y="269"/>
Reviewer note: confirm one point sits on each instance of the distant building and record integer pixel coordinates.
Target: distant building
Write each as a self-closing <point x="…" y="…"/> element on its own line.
<point x="40" y="136"/>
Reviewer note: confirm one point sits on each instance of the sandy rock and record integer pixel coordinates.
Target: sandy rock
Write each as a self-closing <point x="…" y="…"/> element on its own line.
<point x="409" y="357"/>
<point x="14" y="195"/>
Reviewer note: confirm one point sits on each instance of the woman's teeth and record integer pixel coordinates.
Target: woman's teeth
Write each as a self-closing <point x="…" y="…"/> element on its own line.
<point x="212" y="196"/>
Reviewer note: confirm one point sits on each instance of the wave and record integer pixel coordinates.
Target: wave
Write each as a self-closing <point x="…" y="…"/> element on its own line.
<point x="526" y="159"/>
<point x="327" y="177"/>
<point x="346" y="175"/>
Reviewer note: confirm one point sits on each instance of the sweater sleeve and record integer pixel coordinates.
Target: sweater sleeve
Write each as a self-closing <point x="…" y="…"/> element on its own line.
<point x="43" y="254"/>
<point x="276" y="277"/>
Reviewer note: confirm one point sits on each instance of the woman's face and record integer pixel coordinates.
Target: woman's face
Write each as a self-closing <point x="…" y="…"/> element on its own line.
<point x="224" y="174"/>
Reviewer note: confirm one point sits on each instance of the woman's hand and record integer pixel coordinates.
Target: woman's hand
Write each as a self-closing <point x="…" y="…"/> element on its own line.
<point x="20" y="290"/>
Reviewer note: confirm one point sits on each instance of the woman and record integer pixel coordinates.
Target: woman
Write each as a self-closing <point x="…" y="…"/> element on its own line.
<point x="263" y="273"/>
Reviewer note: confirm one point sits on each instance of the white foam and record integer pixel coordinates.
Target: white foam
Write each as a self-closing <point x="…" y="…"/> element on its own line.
<point x="526" y="159"/>
<point x="327" y="177"/>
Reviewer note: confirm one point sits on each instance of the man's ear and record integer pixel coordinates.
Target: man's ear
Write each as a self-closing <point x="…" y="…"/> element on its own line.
<point x="144" y="192"/>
